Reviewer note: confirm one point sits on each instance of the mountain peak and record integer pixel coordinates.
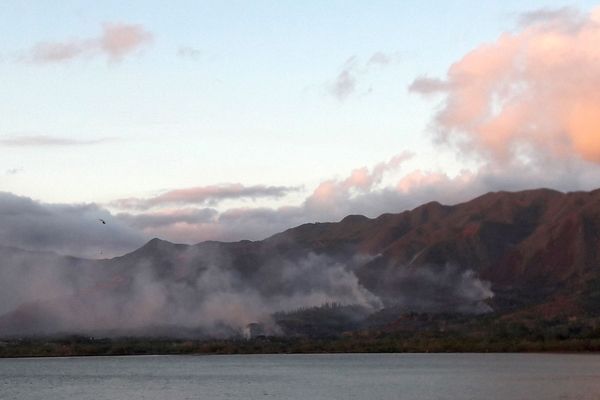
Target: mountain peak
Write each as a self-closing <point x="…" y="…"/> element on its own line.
<point x="156" y="242"/>
<point x="354" y="218"/>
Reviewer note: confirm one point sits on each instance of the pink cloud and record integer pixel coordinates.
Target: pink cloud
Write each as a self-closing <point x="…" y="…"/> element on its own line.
<point x="57" y="52"/>
<point x="360" y="180"/>
<point x="533" y="93"/>
<point x="119" y="40"/>
<point x="116" y="41"/>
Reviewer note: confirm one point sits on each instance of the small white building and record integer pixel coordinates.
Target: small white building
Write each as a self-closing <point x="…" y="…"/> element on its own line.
<point x="254" y="330"/>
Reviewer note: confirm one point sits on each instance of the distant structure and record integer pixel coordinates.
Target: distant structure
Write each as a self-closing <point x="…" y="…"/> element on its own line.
<point x="254" y="330"/>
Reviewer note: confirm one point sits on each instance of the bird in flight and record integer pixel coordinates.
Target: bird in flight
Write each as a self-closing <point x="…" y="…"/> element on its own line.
<point x="101" y="220"/>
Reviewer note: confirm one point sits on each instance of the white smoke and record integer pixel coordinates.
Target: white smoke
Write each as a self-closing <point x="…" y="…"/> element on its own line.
<point x="204" y="291"/>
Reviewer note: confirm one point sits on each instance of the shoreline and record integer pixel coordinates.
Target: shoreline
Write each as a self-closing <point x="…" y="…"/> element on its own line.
<point x="79" y="347"/>
<point x="58" y="357"/>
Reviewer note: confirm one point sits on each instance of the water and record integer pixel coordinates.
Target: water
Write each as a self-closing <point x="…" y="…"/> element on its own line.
<point x="344" y="376"/>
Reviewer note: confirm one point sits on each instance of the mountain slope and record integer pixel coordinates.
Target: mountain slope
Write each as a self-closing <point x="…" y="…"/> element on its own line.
<point x="537" y="251"/>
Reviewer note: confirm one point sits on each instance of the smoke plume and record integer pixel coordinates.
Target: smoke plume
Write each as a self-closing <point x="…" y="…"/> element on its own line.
<point x="166" y="289"/>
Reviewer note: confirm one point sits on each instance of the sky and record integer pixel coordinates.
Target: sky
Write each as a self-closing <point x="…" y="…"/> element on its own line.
<point x="232" y="120"/>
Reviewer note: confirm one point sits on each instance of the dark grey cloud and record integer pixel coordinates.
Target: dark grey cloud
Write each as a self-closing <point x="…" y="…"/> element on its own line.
<point x="47" y="141"/>
<point x="72" y="229"/>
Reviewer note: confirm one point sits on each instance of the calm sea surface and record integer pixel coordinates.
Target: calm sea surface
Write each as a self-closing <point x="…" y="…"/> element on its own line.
<point x="347" y="376"/>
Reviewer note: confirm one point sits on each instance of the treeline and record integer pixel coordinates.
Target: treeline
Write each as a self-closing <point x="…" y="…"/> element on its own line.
<point x="329" y="320"/>
<point x="336" y="328"/>
<point x="119" y="347"/>
<point x="413" y="333"/>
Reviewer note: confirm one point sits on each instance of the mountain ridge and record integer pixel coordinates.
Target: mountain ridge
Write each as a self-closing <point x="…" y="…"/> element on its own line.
<point x="537" y="250"/>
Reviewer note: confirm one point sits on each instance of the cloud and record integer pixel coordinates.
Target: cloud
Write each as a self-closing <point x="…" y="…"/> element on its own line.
<point x="530" y="95"/>
<point x="72" y="229"/>
<point x="14" y="171"/>
<point x="161" y="219"/>
<point x="428" y="86"/>
<point x="344" y="85"/>
<point x="47" y="141"/>
<point x="116" y="41"/>
<point x="119" y="40"/>
<point x="549" y="15"/>
<point x="346" y="82"/>
<point x="330" y="194"/>
<point x="379" y="58"/>
<point x="204" y="195"/>
<point x="188" y="52"/>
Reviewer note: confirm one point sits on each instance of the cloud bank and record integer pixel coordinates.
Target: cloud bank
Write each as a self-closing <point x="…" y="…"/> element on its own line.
<point x="334" y="199"/>
<point x="72" y="229"/>
<point x="210" y="195"/>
